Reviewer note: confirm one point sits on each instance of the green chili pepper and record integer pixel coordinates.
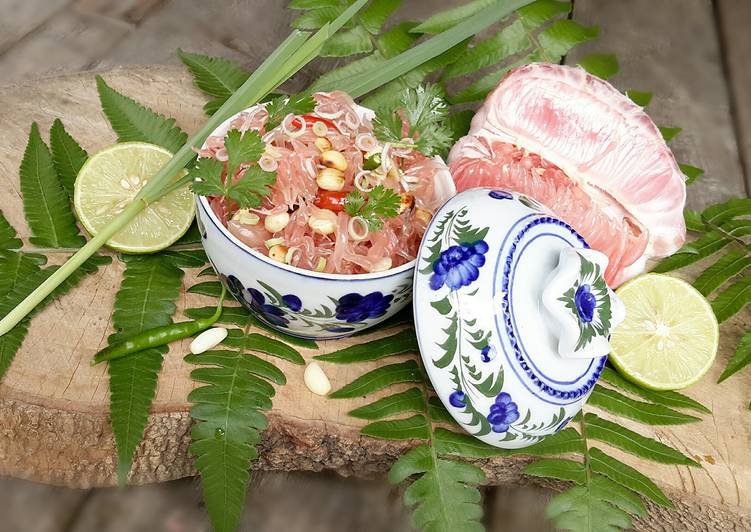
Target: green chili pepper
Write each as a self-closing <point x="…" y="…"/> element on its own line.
<point x="158" y="336"/>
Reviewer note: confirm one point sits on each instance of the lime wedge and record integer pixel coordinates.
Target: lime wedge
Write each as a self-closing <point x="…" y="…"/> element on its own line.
<point x="669" y="338"/>
<point x="110" y="180"/>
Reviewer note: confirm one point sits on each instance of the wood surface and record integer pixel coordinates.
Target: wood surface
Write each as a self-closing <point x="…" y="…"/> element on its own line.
<point x="53" y="406"/>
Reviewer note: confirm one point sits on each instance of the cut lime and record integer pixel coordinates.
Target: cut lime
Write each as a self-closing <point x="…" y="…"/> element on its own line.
<point x="110" y="180"/>
<point x="670" y="335"/>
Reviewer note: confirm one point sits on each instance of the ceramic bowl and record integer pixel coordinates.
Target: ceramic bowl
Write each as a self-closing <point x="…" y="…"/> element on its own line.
<point x="296" y="301"/>
<point x="489" y="344"/>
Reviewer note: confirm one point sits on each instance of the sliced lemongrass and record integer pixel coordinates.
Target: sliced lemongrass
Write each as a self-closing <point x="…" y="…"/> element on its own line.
<point x="352" y="120"/>
<point x="352" y="228"/>
<point x="320" y="129"/>
<point x="245" y="217"/>
<point x="366" y="142"/>
<point x="321" y="264"/>
<point x="293" y="133"/>
<point x="271" y="242"/>
<point x="208" y="340"/>
<point x="268" y="163"/>
<point x="362" y="181"/>
<point x="291" y="253"/>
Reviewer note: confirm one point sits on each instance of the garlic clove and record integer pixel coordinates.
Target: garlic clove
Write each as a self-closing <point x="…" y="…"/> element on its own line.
<point x="316" y="380"/>
<point x="208" y="339"/>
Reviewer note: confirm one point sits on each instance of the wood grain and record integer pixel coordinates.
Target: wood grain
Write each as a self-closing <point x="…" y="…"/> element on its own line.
<point x="53" y="405"/>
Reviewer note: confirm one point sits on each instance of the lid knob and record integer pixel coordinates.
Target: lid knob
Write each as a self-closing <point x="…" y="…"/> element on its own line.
<point x="581" y="305"/>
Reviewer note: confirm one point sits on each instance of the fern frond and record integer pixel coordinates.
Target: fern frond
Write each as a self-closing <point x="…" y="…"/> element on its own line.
<point x="45" y="202"/>
<point x="402" y="342"/>
<point x="146" y="299"/>
<point x="215" y="76"/>
<point x="445" y="495"/>
<point x="67" y="155"/>
<point x="131" y="121"/>
<point x="643" y="412"/>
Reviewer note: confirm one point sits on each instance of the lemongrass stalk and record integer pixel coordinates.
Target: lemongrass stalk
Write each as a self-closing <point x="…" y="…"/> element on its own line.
<point x="361" y="84"/>
<point x="294" y="53"/>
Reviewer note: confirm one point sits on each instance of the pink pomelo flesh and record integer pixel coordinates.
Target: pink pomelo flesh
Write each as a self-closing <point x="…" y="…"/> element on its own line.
<point x="584" y="150"/>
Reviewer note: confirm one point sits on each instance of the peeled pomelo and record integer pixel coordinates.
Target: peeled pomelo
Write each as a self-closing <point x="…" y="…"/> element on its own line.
<point x="584" y="150"/>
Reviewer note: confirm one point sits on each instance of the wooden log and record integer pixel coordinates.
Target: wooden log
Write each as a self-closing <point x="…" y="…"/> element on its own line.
<point x="53" y="405"/>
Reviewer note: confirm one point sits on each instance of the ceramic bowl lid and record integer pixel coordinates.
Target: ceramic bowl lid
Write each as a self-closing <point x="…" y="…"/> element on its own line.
<point x="512" y="314"/>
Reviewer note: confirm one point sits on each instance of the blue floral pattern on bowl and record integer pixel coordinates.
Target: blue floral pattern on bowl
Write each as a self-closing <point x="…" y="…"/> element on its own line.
<point x="354" y="308"/>
<point x="459" y="265"/>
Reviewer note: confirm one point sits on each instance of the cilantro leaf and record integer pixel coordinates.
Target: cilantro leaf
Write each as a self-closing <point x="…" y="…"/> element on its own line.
<point x="252" y="187"/>
<point x="382" y="203"/>
<point x="242" y="147"/>
<point x="280" y="107"/>
<point x="207" y="177"/>
<point x="353" y="203"/>
<point x="426" y="112"/>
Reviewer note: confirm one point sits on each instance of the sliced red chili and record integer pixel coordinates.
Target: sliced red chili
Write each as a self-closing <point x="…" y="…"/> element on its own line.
<point x="333" y="201"/>
<point x="312" y="118"/>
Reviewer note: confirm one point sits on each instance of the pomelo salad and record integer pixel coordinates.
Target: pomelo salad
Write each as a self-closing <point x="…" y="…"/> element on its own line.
<point x="327" y="162"/>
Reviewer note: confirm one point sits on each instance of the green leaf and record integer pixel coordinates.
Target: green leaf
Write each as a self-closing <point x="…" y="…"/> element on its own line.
<point x="45" y="202"/>
<point x="254" y="185"/>
<point x="317" y="18"/>
<point x="146" y="299"/>
<point x="462" y="444"/>
<point x="446" y="497"/>
<point x="459" y="122"/>
<point x="228" y="424"/>
<point x="603" y="66"/>
<point x="648" y="413"/>
<point x="509" y="41"/>
<point x="410" y="400"/>
<point x="694" y="221"/>
<point x="740" y="359"/>
<point x="263" y="344"/>
<point x="563" y="35"/>
<point x="564" y="441"/>
<point x="731" y="300"/>
<point x="414" y="427"/>
<point x="375" y="15"/>
<point x="397" y="344"/>
<point x="537" y="13"/>
<point x="346" y="43"/>
<point x="558" y="468"/>
<point x="131" y="121"/>
<point x="632" y="442"/>
<point x="443" y="20"/>
<point x="206" y="288"/>
<point x="669" y="133"/>
<point x="640" y="98"/>
<point x="416" y="460"/>
<point x="626" y="476"/>
<point x="666" y="398"/>
<point x="8" y="236"/>
<point x="248" y="362"/>
<point x="720" y="213"/>
<point x="705" y="246"/>
<point x="480" y="88"/>
<point x="378" y="379"/>
<point x="242" y="147"/>
<point x="67" y="155"/>
<point x="691" y="172"/>
<point x="727" y="267"/>
<point x="215" y="76"/>
<point x="600" y="506"/>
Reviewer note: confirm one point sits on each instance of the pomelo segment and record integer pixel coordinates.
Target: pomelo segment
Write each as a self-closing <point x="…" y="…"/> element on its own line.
<point x="587" y="152"/>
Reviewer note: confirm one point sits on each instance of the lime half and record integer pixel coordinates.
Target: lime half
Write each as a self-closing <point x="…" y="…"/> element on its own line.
<point x="110" y="180"/>
<point x="670" y="335"/>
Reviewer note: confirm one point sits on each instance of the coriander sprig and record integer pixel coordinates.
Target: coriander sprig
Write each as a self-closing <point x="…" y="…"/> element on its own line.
<point x="425" y="112"/>
<point x="254" y="183"/>
<point x="381" y="203"/>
